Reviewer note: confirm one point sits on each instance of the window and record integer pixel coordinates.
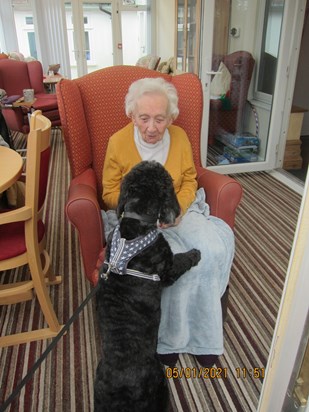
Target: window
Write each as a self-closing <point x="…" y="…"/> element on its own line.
<point x="87" y="45"/>
<point x="25" y="31"/>
<point x="32" y="45"/>
<point x="269" y="49"/>
<point x="136" y="28"/>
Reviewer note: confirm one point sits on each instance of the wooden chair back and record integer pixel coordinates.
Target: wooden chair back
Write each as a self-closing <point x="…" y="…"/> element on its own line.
<point x="23" y="240"/>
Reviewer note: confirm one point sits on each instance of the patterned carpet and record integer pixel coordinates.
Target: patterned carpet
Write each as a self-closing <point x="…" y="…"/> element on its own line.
<point x="265" y="225"/>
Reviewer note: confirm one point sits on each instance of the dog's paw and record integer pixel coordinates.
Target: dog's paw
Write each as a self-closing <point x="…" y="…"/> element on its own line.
<point x="195" y="256"/>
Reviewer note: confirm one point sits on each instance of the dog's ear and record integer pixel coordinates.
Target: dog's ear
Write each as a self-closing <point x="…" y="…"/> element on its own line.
<point x="170" y="208"/>
<point x="169" y="214"/>
<point x="123" y="198"/>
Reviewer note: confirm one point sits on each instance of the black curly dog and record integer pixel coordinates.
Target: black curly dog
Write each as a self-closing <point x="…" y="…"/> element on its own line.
<point x="130" y="377"/>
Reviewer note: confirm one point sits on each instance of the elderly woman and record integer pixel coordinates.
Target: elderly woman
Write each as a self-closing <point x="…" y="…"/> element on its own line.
<point x="191" y="316"/>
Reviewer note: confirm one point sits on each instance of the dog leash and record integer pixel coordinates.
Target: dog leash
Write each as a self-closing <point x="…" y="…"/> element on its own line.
<point x="49" y="348"/>
<point x="103" y="274"/>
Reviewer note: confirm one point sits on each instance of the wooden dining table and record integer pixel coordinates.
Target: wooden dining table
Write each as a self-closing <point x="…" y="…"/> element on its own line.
<point x="11" y="165"/>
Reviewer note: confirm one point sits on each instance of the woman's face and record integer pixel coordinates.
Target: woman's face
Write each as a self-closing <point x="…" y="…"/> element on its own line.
<point x="151" y="117"/>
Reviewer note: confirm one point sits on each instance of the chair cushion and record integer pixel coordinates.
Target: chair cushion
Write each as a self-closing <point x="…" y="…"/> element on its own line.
<point x="12" y="239"/>
<point x="47" y="102"/>
<point x="148" y="62"/>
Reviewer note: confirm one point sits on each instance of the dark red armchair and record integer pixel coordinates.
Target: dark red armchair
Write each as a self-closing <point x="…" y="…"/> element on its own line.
<point x="228" y="114"/>
<point x="91" y="110"/>
<point x="15" y="76"/>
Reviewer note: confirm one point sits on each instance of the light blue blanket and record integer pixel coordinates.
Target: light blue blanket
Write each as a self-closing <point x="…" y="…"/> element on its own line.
<point x="191" y="316"/>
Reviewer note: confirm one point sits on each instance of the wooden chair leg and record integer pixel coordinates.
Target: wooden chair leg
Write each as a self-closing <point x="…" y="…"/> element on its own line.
<point x="50" y="277"/>
<point x="40" y="283"/>
<point x="42" y="293"/>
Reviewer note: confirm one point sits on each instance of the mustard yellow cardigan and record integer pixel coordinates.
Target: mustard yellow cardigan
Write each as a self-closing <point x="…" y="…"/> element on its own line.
<point x="122" y="155"/>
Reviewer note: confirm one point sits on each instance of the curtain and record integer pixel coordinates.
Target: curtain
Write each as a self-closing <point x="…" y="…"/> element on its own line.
<point x="51" y="34"/>
<point x="8" y="36"/>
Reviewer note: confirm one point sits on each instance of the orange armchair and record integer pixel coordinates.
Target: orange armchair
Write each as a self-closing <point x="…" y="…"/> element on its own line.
<point x="91" y="110"/>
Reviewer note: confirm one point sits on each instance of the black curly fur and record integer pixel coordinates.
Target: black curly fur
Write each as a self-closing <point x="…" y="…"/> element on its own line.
<point x="130" y="378"/>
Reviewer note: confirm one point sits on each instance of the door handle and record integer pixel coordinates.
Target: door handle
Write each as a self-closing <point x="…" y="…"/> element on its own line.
<point x="212" y="73"/>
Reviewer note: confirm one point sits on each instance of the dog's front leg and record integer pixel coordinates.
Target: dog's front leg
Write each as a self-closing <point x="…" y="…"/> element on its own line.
<point x="182" y="262"/>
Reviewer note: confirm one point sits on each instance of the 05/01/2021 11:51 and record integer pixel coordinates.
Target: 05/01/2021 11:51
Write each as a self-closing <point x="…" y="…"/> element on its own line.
<point x="214" y="373"/>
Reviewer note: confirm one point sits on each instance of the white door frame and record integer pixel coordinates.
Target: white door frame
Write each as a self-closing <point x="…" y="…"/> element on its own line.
<point x="284" y="88"/>
<point x="208" y="15"/>
<point x="291" y="319"/>
<point x="294" y="303"/>
<point x="78" y="37"/>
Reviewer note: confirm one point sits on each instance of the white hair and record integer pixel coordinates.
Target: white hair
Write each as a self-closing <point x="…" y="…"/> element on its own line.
<point x="152" y="86"/>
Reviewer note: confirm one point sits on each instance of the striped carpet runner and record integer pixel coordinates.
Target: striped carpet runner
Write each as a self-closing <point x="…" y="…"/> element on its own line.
<point x="264" y="231"/>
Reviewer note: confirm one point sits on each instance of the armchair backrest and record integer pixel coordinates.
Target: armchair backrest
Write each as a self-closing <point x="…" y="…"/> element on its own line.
<point x="16" y="75"/>
<point x="92" y="109"/>
<point x="240" y="64"/>
<point x="35" y="71"/>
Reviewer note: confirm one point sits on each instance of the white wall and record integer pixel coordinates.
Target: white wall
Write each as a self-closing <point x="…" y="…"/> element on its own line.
<point x="243" y="16"/>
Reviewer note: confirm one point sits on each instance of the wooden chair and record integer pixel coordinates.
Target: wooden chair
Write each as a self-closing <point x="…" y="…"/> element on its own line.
<point x="23" y="241"/>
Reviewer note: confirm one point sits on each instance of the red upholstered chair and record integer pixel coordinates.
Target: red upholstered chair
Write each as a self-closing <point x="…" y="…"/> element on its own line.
<point x="15" y="76"/>
<point x="91" y="110"/>
<point x="228" y="115"/>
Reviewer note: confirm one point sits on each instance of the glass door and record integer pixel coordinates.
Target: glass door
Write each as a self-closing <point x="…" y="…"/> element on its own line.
<point x="107" y="33"/>
<point x="239" y="74"/>
<point x="188" y="35"/>
<point x="90" y="36"/>
<point x="135" y="26"/>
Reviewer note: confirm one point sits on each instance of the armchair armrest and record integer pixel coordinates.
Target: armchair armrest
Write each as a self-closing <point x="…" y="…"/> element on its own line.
<point x="84" y="212"/>
<point x="223" y="194"/>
